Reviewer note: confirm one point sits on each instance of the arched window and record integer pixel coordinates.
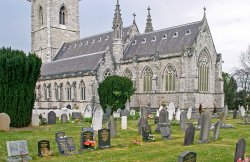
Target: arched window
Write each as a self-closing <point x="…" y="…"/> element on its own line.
<point x="170" y="76"/>
<point x="62" y="15"/>
<point x="73" y="90"/>
<point x="127" y="73"/>
<point x="203" y="71"/>
<point x="41" y="16"/>
<point x="68" y="91"/>
<point x="82" y="90"/>
<point x="147" y="79"/>
<point x="45" y="92"/>
<point x="48" y="91"/>
<point x="57" y="89"/>
<point x="107" y="73"/>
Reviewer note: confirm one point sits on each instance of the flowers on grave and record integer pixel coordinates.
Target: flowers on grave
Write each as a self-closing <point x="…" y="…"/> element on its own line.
<point x="89" y="144"/>
<point x="246" y="159"/>
<point x="137" y="142"/>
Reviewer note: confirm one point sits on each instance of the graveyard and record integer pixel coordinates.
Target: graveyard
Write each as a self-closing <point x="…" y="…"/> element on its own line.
<point x="128" y="145"/>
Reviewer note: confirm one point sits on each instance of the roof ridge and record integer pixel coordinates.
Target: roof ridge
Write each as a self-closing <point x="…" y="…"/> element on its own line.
<point x="96" y="35"/>
<point x="177" y="26"/>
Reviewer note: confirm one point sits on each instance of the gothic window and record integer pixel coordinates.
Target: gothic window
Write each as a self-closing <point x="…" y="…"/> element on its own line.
<point x="203" y="71"/>
<point x="170" y="78"/>
<point x="107" y="73"/>
<point x="62" y="15"/>
<point x="82" y="90"/>
<point x="38" y="92"/>
<point x="127" y="73"/>
<point x="73" y="91"/>
<point x="45" y="92"/>
<point x="57" y="91"/>
<point x="68" y="91"/>
<point x="41" y="16"/>
<point x="48" y="91"/>
<point x="147" y="79"/>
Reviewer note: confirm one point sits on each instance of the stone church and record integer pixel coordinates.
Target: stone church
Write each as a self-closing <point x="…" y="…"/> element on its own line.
<point x="177" y="64"/>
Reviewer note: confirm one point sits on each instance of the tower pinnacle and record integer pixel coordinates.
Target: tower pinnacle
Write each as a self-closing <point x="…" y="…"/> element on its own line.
<point x="149" y="26"/>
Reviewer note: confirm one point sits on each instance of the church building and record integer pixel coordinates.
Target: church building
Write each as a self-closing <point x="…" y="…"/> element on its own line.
<point x="176" y="64"/>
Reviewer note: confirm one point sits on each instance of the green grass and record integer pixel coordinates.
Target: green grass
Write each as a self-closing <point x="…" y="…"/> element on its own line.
<point x="123" y="148"/>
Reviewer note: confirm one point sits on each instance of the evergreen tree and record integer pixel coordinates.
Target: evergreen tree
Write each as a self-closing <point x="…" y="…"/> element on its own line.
<point x="18" y="75"/>
<point x="230" y="90"/>
<point x="114" y="91"/>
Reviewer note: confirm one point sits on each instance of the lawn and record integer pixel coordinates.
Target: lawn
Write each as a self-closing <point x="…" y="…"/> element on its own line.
<point x="123" y="148"/>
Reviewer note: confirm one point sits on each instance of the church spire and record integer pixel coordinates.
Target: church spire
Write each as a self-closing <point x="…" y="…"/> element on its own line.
<point x="117" y="22"/>
<point x="204" y="15"/>
<point x="149" y="26"/>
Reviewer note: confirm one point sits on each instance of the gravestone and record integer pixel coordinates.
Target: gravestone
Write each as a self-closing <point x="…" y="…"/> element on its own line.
<point x="165" y="133"/>
<point x="64" y="118"/>
<point x="205" y="127"/>
<point x="183" y="119"/>
<point x="104" y="138"/>
<point x="235" y="114"/>
<point x="171" y="110"/>
<point x="66" y="146"/>
<point x="242" y="111"/>
<point x="240" y="149"/>
<point x="87" y="112"/>
<point x="124" y="122"/>
<point x="35" y="121"/>
<point x="87" y="139"/>
<point x="4" y="122"/>
<point x="125" y="113"/>
<point x="132" y="113"/>
<point x="76" y="115"/>
<point x="189" y="135"/>
<point x="108" y="112"/>
<point x="142" y="122"/>
<point x="187" y="156"/>
<point x="163" y="120"/>
<point x="178" y="114"/>
<point x="116" y="114"/>
<point x="51" y="117"/>
<point x="225" y="110"/>
<point x="222" y="117"/>
<point x="17" y="150"/>
<point x="97" y="118"/>
<point x="189" y="113"/>
<point x="143" y="112"/>
<point x="146" y="133"/>
<point x="119" y="110"/>
<point x="43" y="148"/>
<point x="217" y="130"/>
<point x="59" y="135"/>
<point x="112" y="126"/>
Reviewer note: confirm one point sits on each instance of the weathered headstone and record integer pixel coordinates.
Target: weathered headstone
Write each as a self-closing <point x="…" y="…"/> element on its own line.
<point x="108" y="112"/>
<point x="189" y="113"/>
<point x="235" y="114"/>
<point x="178" y="114"/>
<point x="183" y="119"/>
<point x="217" y="130"/>
<point x="112" y="126"/>
<point x="59" y="135"/>
<point x="4" y="122"/>
<point x="189" y="135"/>
<point x="64" y="118"/>
<point x="165" y="133"/>
<point x="76" y="115"/>
<point x="225" y="110"/>
<point x="124" y="122"/>
<point x="35" y="121"/>
<point x="87" y="112"/>
<point x="18" y="150"/>
<point x="43" y="148"/>
<point x="51" y="117"/>
<point x="132" y="113"/>
<point x="125" y="113"/>
<point x="143" y="112"/>
<point x="242" y="111"/>
<point x="205" y="127"/>
<point x="146" y="133"/>
<point x="171" y="110"/>
<point x="104" y="138"/>
<point x="97" y="118"/>
<point x="142" y="122"/>
<point x="163" y="120"/>
<point x="240" y="149"/>
<point x="66" y="146"/>
<point x="187" y="156"/>
<point x="87" y="137"/>
<point x="116" y="114"/>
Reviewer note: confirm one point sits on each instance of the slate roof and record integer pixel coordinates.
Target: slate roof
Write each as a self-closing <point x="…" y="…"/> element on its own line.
<point x="143" y="45"/>
<point x="83" y="63"/>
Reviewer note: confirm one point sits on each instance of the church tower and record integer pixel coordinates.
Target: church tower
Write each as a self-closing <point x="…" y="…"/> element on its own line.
<point x="53" y="22"/>
<point x="117" y="34"/>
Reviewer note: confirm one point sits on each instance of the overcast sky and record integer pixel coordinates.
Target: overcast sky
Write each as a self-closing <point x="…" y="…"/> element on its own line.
<point x="229" y="21"/>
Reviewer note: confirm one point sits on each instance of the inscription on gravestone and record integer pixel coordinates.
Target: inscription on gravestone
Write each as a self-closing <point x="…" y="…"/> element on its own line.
<point x="104" y="138"/>
<point x="187" y="156"/>
<point x="43" y="148"/>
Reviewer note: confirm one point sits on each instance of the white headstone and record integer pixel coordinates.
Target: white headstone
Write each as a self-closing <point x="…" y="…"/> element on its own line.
<point x="87" y="112"/>
<point x="178" y="114"/>
<point x="226" y="110"/>
<point x="116" y="114"/>
<point x="35" y="121"/>
<point x="132" y="113"/>
<point x="242" y="111"/>
<point x="4" y="122"/>
<point x="189" y="113"/>
<point x="97" y="118"/>
<point x="124" y="122"/>
<point x="171" y="110"/>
